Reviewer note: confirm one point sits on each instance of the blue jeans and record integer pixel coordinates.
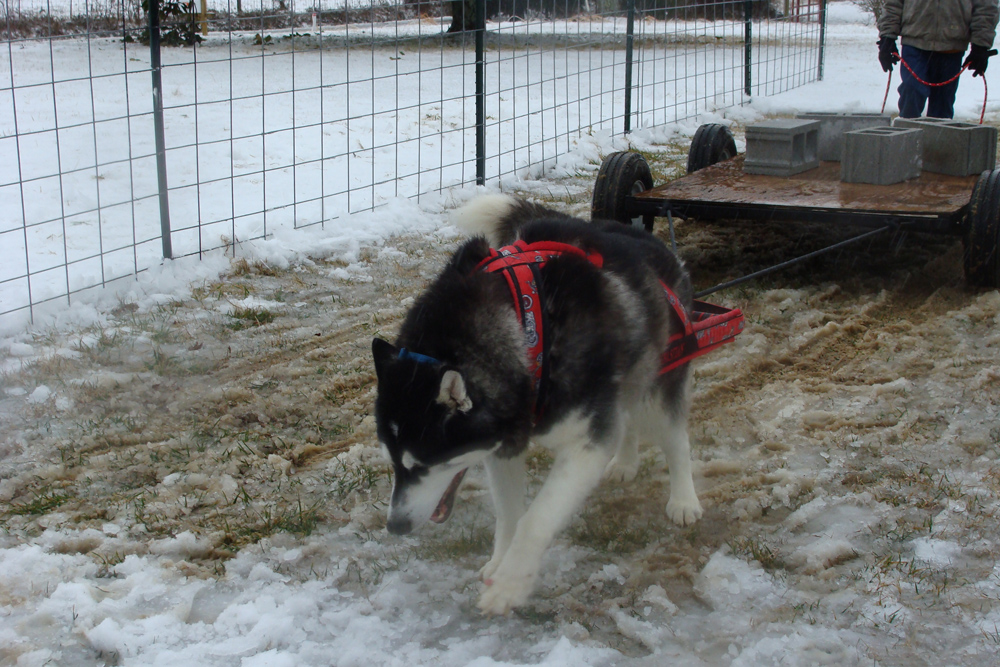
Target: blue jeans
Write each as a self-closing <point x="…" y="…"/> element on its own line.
<point x="932" y="67"/>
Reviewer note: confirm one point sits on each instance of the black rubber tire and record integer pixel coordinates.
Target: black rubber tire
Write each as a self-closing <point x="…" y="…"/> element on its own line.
<point x="981" y="240"/>
<point x="622" y="175"/>
<point x="712" y="143"/>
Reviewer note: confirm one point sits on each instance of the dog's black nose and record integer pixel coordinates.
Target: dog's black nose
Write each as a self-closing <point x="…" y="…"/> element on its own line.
<point x="399" y="526"/>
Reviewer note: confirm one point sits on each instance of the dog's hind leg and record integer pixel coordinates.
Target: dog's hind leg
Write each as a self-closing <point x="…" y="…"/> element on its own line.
<point x="683" y="507"/>
<point x="507" y="486"/>
<point x="668" y="421"/>
<point x="575" y="473"/>
<point x="625" y="465"/>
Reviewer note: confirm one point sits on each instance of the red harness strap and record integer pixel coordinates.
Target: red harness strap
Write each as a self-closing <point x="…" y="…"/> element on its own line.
<point x="711" y="327"/>
<point x="519" y="263"/>
<point x="708" y="326"/>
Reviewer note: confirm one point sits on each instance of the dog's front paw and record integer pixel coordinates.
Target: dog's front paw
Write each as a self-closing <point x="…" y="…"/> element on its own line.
<point x="487" y="571"/>
<point x="620" y="471"/>
<point x="684" y="511"/>
<point x="503" y="594"/>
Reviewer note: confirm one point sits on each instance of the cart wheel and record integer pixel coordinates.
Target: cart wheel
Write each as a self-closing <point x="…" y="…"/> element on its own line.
<point x="622" y="175"/>
<point x="981" y="240"/>
<point x="712" y="143"/>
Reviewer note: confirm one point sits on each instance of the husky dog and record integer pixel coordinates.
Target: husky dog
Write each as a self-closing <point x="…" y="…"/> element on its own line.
<point x="458" y="388"/>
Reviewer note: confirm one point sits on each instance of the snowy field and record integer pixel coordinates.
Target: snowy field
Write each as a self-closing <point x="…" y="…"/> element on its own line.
<point x="286" y="135"/>
<point x="75" y="7"/>
<point x="189" y="473"/>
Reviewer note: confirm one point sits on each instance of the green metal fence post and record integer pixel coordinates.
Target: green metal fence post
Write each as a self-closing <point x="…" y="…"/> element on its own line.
<point x="747" y="47"/>
<point x="822" y="39"/>
<point x="480" y="92"/>
<point x="161" y="153"/>
<point x="629" y="43"/>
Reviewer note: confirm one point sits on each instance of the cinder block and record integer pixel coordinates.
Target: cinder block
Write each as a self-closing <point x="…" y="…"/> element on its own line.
<point x="833" y="125"/>
<point x="953" y="147"/>
<point x="881" y="155"/>
<point x="782" y="147"/>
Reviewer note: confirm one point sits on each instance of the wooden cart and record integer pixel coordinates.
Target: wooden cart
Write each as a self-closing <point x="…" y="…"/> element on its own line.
<point x="717" y="188"/>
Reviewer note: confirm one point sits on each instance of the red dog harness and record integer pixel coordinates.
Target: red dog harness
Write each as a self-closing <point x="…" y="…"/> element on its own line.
<point x="520" y="264"/>
<point x="707" y="327"/>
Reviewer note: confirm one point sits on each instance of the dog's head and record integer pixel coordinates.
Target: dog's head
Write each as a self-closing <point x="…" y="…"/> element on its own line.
<point x="431" y="430"/>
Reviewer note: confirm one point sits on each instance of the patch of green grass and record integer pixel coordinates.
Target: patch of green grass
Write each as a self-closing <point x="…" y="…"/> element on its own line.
<point x="163" y="363"/>
<point x="43" y="503"/>
<point x="467" y="542"/>
<point x="250" y="316"/>
<point x="604" y="531"/>
<point x="106" y="570"/>
<point x="536" y="617"/>
<point x="348" y="478"/>
<point x="368" y="573"/>
<point x="888" y="570"/>
<point x="221" y="290"/>
<point x="665" y="167"/>
<point x="104" y="342"/>
<point x="751" y="548"/>
<point x="245" y="267"/>
<point x="538" y="462"/>
<point x="155" y="522"/>
<point x="297" y="519"/>
<point x="251" y="520"/>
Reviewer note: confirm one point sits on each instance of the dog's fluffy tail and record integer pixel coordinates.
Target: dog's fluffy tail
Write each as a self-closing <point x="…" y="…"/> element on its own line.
<point x="499" y="217"/>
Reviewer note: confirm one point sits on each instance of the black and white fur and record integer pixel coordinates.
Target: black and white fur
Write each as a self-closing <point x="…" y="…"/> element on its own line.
<point x="475" y="403"/>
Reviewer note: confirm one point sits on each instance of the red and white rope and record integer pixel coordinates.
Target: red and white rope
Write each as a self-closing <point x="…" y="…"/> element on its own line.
<point x="888" y="84"/>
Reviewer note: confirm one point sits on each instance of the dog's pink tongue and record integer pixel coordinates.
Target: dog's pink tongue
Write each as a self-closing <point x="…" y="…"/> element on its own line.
<point x="443" y="510"/>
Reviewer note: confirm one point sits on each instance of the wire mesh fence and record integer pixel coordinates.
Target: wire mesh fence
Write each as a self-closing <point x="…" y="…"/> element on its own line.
<point x="128" y="135"/>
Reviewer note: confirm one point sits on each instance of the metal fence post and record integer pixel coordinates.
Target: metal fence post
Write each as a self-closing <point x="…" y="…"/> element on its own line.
<point x="481" y="92"/>
<point x="747" y="47"/>
<point x="629" y="44"/>
<point x="161" y="154"/>
<point x="822" y="38"/>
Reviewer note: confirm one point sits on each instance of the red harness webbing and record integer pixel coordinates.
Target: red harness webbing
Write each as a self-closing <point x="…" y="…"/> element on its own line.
<point x="519" y="263"/>
<point x="708" y="326"/>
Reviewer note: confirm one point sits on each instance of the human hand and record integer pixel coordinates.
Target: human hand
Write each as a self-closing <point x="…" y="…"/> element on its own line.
<point x="887" y="53"/>
<point x="978" y="59"/>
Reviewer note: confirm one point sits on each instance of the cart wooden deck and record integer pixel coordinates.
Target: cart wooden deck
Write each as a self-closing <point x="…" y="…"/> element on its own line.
<point x="931" y="203"/>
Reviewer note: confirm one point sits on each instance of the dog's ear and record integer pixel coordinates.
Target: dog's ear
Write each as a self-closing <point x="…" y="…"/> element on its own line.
<point x="382" y="352"/>
<point x="452" y="393"/>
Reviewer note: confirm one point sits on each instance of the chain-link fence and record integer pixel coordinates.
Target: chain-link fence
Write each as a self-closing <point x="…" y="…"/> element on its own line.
<point x="128" y="135"/>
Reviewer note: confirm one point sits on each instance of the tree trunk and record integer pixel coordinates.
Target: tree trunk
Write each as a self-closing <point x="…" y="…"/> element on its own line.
<point x="463" y="15"/>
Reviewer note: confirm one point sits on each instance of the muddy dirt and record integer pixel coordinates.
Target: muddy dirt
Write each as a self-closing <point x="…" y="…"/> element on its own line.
<point x="851" y="425"/>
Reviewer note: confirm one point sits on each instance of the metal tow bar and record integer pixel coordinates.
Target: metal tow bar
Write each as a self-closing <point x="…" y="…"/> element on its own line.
<point x="783" y="265"/>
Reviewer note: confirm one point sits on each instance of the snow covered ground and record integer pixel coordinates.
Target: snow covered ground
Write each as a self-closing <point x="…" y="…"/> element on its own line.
<point x="285" y="134"/>
<point x="68" y="7"/>
<point x="189" y="476"/>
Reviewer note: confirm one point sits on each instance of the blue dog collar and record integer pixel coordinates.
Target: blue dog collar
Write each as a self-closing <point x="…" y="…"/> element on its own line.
<point x="419" y="358"/>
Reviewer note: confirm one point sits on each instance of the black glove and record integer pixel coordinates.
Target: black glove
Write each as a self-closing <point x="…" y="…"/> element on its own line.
<point x="978" y="59"/>
<point x="887" y="53"/>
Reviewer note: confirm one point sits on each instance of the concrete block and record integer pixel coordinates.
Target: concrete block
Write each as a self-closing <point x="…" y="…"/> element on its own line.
<point x="881" y="155"/>
<point x="953" y="147"/>
<point x="782" y="147"/>
<point x="833" y="125"/>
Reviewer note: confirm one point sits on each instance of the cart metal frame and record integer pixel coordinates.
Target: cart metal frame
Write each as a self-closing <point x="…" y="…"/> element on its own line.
<point x="931" y="203"/>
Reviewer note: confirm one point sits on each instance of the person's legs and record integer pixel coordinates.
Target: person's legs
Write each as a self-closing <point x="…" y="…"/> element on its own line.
<point x="941" y="102"/>
<point x="913" y="94"/>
